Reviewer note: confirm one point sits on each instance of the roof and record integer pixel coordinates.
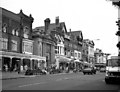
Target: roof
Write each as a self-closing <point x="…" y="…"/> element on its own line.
<point x="14" y="15"/>
<point x="52" y="27"/>
<point x="10" y="14"/>
<point x="74" y="34"/>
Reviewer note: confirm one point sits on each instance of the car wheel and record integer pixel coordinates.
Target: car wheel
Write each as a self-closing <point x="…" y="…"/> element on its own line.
<point x="84" y="73"/>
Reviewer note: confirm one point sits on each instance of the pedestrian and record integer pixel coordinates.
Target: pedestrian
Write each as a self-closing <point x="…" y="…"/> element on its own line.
<point x="6" y="68"/>
<point x="26" y="67"/>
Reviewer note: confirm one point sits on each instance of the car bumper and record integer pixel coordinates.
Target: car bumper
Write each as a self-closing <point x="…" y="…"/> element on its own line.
<point x="113" y="78"/>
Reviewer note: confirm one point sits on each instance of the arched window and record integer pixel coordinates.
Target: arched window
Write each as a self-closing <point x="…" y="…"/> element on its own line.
<point x="4" y="28"/>
<point x="13" y="31"/>
<point x="17" y="31"/>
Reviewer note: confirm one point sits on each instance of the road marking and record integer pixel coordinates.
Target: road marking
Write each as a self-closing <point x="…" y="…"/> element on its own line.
<point x="32" y="84"/>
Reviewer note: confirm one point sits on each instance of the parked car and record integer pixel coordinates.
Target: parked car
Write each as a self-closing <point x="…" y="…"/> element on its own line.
<point x="102" y="69"/>
<point x="89" y="71"/>
<point x="36" y="72"/>
<point x="54" y="71"/>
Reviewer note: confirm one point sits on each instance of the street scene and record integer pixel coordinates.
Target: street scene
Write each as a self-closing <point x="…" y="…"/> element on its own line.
<point x="61" y="53"/>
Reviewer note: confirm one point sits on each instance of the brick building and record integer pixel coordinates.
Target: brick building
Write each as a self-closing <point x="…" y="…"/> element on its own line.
<point x="74" y="47"/>
<point x="16" y="41"/>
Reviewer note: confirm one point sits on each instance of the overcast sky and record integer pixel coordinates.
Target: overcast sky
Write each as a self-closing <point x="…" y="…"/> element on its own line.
<point x="95" y="18"/>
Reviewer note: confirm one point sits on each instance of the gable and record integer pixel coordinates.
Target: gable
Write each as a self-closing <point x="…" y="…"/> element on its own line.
<point x="64" y="27"/>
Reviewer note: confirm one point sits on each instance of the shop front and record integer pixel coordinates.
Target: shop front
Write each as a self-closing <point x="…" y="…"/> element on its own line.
<point x="86" y="64"/>
<point x="16" y="62"/>
<point x="62" y="63"/>
<point x="78" y="64"/>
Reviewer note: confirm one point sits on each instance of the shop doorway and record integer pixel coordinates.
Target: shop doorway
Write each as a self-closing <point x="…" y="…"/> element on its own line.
<point x="26" y="64"/>
<point x="5" y="64"/>
<point x="15" y="66"/>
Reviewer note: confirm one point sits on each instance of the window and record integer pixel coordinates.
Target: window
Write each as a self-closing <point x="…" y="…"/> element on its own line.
<point x="79" y="55"/>
<point x="17" y="32"/>
<point x="0" y="26"/>
<point x="56" y="51"/>
<point x="28" y="47"/>
<point x="4" y="28"/>
<point x="14" y="45"/>
<point x="72" y="54"/>
<point x="13" y="32"/>
<point x="75" y="55"/>
<point x="3" y="43"/>
<point x="26" y="32"/>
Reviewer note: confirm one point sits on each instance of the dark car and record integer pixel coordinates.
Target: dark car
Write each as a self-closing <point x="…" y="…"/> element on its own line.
<point x="36" y="72"/>
<point x="54" y="71"/>
<point x="89" y="71"/>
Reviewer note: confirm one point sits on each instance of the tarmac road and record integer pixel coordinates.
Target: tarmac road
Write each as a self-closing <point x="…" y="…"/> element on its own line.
<point x="72" y="81"/>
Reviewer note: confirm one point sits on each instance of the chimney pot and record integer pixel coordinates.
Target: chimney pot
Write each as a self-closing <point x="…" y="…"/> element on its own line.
<point x="57" y="20"/>
<point x="47" y="23"/>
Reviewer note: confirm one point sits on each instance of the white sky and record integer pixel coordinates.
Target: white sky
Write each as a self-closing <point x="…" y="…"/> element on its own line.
<point x="95" y="18"/>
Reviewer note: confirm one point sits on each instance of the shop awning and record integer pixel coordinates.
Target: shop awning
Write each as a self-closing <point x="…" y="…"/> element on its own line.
<point x="77" y="61"/>
<point x="63" y="59"/>
<point x="20" y="55"/>
<point x="87" y="64"/>
<point x="100" y="64"/>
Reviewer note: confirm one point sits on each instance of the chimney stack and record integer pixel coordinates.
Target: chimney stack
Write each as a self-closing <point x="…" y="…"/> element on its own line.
<point x="47" y="23"/>
<point x="70" y="30"/>
<point x="57" y="20"/>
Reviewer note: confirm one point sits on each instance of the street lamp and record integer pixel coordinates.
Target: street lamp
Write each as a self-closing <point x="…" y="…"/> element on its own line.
<point x="96" y="40"/>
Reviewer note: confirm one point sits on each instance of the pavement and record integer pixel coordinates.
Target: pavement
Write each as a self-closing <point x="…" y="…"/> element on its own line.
<point x="12" y="75"/>
<point x="15" y="75"/>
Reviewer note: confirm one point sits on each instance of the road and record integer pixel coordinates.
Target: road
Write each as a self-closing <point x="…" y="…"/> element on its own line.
<point x="72" y="81"/>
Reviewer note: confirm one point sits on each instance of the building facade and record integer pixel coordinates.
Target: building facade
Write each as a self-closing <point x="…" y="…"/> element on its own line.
<point x="90" y="47"/>
<point x="85" y="51"/>
<point x="16" y="41"/>
<point x="73" y="48"/>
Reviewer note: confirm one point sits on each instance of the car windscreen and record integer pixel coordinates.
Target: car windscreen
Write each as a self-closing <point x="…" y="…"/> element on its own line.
<point x="113" y="62"/>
